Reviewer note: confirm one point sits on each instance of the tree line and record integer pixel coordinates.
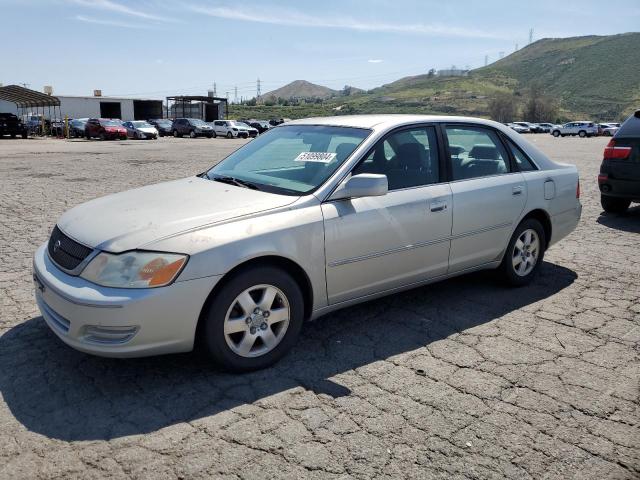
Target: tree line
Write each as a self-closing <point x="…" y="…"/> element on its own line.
<point x="535" y="107"/>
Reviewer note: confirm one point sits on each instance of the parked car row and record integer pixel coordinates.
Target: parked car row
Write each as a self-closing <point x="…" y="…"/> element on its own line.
<point x="113" y="128"/>
<point x="580" y="129"/>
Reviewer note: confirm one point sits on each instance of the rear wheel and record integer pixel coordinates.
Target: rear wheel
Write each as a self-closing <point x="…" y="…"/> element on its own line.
<point x="192" y="134"/>
<point x="556" y="133"/>
<point x="102" y="136"/>
<point x="213" y="134"/>
<point x="582" y="134"/>
<point x="614" y="204"/>
<point x="524" y="254"/>
<point x="254" y="319"/>
<point x="175" y="133"/>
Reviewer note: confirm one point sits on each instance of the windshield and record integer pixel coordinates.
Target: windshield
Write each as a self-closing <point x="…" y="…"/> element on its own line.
<point x="141" y="124"/>
<point x="291" y="160"/>
<point x="110" y="123"/>
<point x="164" y="123"/>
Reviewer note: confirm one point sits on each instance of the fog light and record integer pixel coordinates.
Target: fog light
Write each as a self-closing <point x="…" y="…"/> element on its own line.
<point x="109" y="335"/>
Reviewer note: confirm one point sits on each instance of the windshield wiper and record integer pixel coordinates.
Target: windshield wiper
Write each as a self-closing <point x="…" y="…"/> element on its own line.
<point x="235" y="181"/>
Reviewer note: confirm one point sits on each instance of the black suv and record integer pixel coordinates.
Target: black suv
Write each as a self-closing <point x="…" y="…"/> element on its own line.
<point x="11" y="125"/>
<point x="194" y="127"/>
<point x="619" y="178"/>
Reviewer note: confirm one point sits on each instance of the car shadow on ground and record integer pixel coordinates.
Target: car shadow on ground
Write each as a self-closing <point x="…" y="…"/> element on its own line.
<point x="628" y="221"/>
<point x="60" y="393"/>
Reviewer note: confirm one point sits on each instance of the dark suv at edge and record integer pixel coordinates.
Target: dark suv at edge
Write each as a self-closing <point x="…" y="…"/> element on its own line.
<point x="619" y="178"/>
<point x="12" y="125"/>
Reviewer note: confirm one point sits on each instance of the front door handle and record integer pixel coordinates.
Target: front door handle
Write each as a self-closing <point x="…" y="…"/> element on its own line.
<point x="438" y="206"/>
<point x="517" y="190"/>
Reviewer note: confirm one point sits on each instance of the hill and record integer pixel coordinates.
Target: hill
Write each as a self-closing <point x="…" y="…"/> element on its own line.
<point x="301" y="89"/>
<point x="589" y="77"/>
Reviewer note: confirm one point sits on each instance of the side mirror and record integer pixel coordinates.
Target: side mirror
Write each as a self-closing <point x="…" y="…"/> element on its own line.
<point x="362" y="185"/>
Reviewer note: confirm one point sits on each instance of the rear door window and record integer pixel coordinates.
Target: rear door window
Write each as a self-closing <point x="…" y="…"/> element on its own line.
<point x="475" y="151"/>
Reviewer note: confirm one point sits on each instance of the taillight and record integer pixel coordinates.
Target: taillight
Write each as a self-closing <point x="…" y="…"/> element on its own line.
<point x="578" y="189"/>
<point x="611" y="152"/>
<point x="603" y="178"/>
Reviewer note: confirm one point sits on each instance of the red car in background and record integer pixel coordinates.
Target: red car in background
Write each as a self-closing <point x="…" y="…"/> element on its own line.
<point x="105" y="128"/>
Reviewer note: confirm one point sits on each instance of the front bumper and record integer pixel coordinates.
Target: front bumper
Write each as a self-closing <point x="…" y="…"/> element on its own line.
<point x="118" y="322"/>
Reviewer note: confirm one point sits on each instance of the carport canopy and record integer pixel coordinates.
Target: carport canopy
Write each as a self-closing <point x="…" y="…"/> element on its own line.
<point x="24" y="97"/>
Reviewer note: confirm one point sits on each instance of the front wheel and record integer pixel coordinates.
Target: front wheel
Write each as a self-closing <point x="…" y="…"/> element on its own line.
<point x="254" y="319"/>
<point x="192" y="134"/>
<point x="556" y="133"/>
<point x="582" y="134"/>
<point x="229" y="135"/>
<point x="175" y="133"/>
<point x="614" y="204"/>
<point x="524" y="254"/>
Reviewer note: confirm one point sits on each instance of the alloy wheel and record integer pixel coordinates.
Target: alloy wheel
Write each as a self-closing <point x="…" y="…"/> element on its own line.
<point x="525" y="252"/>
<point x="257" y="321"/>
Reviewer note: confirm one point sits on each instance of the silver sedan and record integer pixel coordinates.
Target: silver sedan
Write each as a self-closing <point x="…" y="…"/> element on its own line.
<point x="310" y="217"/>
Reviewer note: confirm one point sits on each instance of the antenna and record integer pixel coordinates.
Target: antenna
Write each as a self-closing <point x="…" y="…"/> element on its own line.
<point x="486" y="60"/>
<point x="516" y="47"/>
<point x="531" y="35"/>
<point x="258" y="92"/>
<point x="215" y="89"/>
<point x="25" y="85"/>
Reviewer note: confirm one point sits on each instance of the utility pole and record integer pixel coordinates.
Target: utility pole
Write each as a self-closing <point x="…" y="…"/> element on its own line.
<point x="215" y="92"/>
<point x="258" y="91"/>
<point x="486" y="60"/>
<point x="531" y="35"/>
<point x="235" y="94"/>
<point x="516" y="47"/>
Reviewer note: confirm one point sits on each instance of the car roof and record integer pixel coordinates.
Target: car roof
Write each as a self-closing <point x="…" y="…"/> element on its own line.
<point x="381" y="122"/>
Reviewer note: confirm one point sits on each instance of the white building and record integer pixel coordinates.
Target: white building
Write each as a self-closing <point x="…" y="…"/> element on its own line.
<point x="98" y="107"/>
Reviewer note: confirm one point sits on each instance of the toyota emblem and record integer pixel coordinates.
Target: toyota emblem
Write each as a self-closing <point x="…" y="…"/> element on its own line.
<point x="57" y="245"/>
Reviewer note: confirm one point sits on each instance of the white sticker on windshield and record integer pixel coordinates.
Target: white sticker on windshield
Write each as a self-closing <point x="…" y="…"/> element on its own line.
<point x="322" y="157"/>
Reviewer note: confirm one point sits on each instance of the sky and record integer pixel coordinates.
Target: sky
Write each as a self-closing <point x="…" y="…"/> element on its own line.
<point x="155" y="48"/>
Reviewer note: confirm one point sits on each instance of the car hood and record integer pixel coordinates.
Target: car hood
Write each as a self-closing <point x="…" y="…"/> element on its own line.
<point x="147" y="129"/>
<point x="136" y="218"/>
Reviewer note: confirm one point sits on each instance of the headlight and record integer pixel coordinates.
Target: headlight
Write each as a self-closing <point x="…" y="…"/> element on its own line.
<point x="134" y="269"/>
<point x="234" y="129"/>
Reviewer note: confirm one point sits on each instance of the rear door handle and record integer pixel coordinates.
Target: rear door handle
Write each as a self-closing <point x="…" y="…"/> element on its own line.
<point x="517" y="190"/>
<point x="438" y="206"/>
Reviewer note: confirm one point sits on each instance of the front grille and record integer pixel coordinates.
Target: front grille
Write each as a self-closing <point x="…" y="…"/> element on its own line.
<point x="66" y="252"/>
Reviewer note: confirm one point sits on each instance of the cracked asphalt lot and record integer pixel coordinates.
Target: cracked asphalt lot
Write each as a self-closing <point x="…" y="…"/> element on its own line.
<point x="462" y="379"/>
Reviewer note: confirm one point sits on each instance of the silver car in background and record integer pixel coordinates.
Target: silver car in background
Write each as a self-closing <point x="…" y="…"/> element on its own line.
<point x="140" y="129"/>
<point x="310" y="217"/>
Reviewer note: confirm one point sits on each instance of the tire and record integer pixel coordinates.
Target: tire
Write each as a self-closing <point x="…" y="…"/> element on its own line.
<point x="102" y="137"/>
<point x="516" y="267"/>
<point x="582" y="134"/>
<point x="614" y="204"/>
<point x="175" y="134"/>
<point x="226" y="348"/>
<point x="210" y="135"/>
<point x="229" y="135"/>
<point x="12" y="135"/>
<point x="556" y="133"/>
<point x="192" y="134"/>
<point x="214" y="134"/>
<point x="24" y="135"/>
